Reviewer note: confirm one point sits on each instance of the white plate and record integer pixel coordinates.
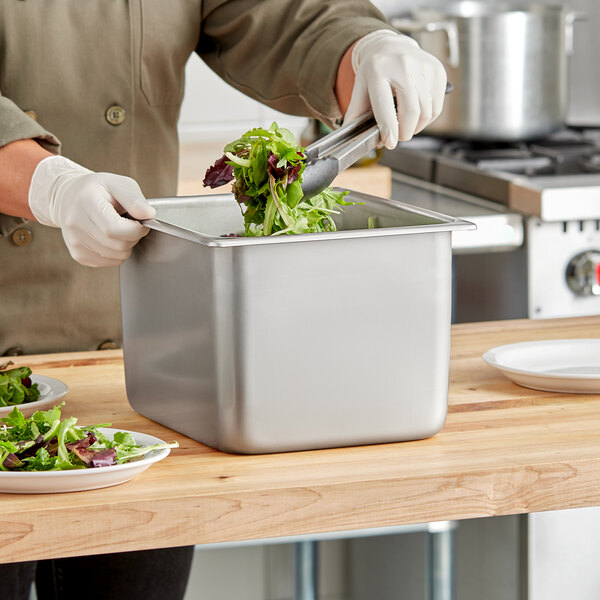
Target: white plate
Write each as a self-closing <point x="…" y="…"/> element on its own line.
<point x="77" y="480"/>
<point x="551" y="365"/>
<point x="51" y="390"/>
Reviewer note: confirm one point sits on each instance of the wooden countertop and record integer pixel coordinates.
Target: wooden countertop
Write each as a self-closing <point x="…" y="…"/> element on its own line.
<point x="504" y="450"/>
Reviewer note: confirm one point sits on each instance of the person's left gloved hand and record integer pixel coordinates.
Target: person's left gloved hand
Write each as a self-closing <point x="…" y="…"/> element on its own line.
<point x="87" y="207"/>
<point x="390" y="66"/>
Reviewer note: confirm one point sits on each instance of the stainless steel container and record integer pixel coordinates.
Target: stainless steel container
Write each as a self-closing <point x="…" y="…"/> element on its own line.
<point x="256" y="345"/>
<point x="507" y="62"/>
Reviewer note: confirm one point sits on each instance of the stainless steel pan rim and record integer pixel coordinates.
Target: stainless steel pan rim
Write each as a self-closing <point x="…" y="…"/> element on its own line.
<point x="445" y="223"/>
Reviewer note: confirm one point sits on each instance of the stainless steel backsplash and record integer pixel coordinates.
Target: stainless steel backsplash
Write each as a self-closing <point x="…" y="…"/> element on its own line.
<point x="584" y="66"/>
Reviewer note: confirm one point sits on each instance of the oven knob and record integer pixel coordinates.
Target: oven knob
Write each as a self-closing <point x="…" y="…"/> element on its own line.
<point x="583" y="273"/>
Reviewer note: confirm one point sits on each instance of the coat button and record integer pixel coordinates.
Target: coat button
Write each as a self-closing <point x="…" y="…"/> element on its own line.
<point x="14" y="351"/>
<point x="108" y="345"/>
<point x="32" y="114"/>
<point x="115" y="114"/>
<point x="21" y="237"/>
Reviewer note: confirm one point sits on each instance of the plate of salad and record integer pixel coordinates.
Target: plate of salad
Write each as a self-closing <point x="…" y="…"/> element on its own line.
<point x="30" y="392"/>
<point x="46" y="453"/>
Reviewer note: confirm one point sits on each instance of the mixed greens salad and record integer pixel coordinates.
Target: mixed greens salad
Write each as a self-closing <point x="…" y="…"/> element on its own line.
<point x="266" y="166"/>
<point x="45" y="442"/>
<point x="16" y="386"/>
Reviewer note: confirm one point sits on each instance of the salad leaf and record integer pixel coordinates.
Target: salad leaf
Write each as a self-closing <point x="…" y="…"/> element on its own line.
<point x="45" y="442"/>
<point x="16" y="386"/>
<point x="266" y="167"/>
<point x="41" y="461"/>
<point x="219" y="174"/>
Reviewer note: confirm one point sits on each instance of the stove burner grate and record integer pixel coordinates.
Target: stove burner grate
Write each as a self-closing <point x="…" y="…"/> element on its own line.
<point x="569" y="152"/>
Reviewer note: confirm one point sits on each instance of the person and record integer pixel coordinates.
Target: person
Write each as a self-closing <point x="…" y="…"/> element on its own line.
<point x="90" y="98"/>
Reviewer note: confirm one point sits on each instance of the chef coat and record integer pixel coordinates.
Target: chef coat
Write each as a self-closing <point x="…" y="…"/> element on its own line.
<point x="102" y="83"/>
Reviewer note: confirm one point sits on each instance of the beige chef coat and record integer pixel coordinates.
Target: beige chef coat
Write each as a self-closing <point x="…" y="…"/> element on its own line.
<point x="106" y="78"/>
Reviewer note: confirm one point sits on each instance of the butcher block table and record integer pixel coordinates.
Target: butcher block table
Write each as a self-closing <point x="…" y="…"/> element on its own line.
<point x="504" y="450"/>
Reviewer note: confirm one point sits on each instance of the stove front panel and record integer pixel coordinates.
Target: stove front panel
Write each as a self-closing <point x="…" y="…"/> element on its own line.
<point x="551" y="248"/>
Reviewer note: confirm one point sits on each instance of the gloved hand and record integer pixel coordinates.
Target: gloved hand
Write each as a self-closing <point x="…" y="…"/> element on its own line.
<point x="390" y="65"/>
<point x="86" y="206"/>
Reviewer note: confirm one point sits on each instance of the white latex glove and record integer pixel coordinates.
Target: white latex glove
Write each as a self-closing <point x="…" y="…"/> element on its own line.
<point x="86" y="206"/>
<point x="390" y="65"/>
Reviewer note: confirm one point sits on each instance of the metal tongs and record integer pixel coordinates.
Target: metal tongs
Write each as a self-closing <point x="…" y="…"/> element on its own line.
<point x="328" y="157"/>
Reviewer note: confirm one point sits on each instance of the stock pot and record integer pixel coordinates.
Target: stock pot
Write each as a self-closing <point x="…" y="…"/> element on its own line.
<point x="508" y="64"/>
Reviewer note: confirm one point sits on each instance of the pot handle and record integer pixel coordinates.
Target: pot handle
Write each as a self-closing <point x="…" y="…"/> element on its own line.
<point x="449" y="27"/>
<point x="570" y="19"/>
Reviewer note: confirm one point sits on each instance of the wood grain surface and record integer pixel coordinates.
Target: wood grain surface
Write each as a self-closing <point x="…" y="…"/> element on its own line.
<point x="504" y="449"/>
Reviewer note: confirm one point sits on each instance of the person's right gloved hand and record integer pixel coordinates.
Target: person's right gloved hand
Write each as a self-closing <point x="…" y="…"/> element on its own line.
<point x="87" y="208"/>
<point x="390" y="67"/>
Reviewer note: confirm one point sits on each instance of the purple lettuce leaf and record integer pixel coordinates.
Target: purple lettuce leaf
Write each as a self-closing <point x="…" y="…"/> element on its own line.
<point x="272" y="167"/>
<point x="292" y="171"/>
<point x="104" y="458"/>
<point x="219" y="174"/>
<point x="12" y="461"/>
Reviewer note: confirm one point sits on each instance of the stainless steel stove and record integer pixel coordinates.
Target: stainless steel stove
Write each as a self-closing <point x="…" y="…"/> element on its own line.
<point x="536" y="253"/>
